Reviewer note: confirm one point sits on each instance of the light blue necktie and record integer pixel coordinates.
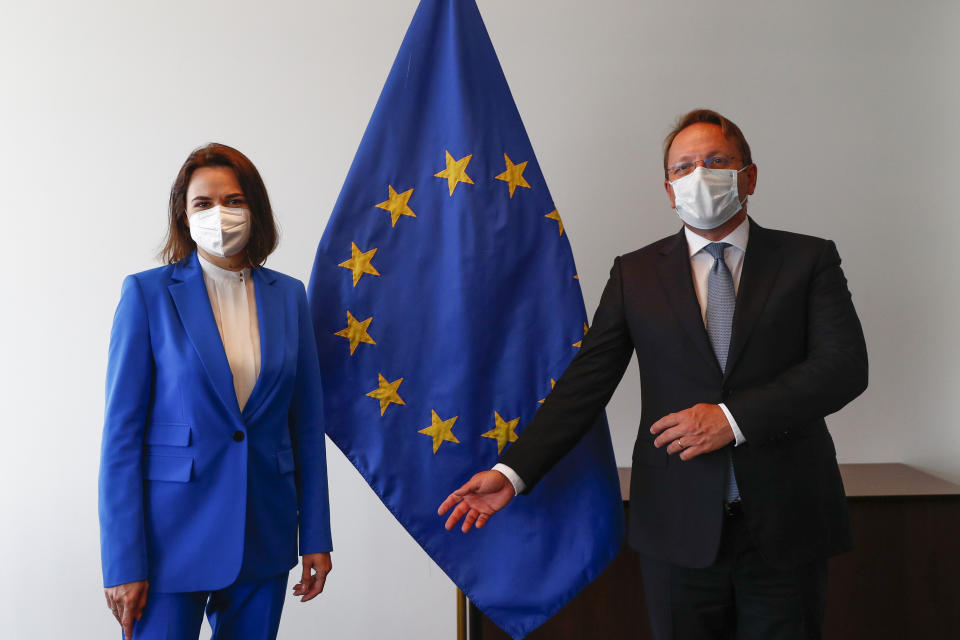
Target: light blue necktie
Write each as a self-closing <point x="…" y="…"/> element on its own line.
<point x="721" y="301"/>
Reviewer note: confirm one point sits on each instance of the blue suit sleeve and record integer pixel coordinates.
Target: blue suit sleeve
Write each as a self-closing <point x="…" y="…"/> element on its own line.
<point x="309" y="444"/>
<point x="130" y="374"/>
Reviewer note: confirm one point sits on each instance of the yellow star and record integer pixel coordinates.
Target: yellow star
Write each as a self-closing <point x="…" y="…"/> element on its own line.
<point x="397" y="204"/>
<point x="440" y="430"/>
<point x="553" y="383"/>
<point x="503" y="432"/>
<point x="356" y="332"/>
<point x="456" y="171"/>
<point x="555" y="215"/>
<point x="579" y="343"/>
<point x="359" y="263"/>
<point x="513" y="176"/>
<point x="387" y="393"/>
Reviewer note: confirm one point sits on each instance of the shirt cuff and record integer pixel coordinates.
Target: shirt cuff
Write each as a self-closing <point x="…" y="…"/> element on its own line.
<point x="518" y="484"/>
<point x="738" y="436"/>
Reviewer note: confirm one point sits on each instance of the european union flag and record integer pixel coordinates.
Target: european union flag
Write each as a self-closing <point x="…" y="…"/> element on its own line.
<point x="445" y="301"/>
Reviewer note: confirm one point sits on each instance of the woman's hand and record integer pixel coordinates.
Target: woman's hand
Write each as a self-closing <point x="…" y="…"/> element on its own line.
<point x="127" y="602"/>
<point x="311" y="585"/>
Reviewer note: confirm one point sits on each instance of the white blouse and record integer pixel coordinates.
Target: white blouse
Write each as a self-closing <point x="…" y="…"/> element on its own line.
<point x="234" y="306"/>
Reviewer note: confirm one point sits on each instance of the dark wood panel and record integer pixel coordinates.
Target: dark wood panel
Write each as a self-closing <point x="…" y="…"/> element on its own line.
<point x="889" y="479"/>
<point x="902" y="581"/>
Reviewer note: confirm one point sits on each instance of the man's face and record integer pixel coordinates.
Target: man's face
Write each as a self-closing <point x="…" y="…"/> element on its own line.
<point x="703" y="140"/>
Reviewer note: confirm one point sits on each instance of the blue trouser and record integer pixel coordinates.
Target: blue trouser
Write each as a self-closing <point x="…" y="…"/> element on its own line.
<point x="242" y="611"/>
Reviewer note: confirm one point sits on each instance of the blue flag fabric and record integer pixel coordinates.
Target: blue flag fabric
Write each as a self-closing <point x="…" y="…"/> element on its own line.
<point x="445" y="302"/>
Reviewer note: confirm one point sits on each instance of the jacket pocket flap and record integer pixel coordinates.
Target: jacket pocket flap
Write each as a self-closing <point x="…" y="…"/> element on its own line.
<point x="285" y="461"/>
<point x="169" y="468"/>
<point x="174" y="435"/>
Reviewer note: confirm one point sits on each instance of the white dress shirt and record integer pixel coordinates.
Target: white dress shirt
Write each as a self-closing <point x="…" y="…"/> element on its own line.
<point x="234" y="306"/>
<point x="700" y="265"/>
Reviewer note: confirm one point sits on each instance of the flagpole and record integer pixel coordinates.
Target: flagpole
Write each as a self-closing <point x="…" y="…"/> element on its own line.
<point x="461" y="615"/>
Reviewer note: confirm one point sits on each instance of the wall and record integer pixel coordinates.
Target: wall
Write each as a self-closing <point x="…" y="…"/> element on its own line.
<point x="850" y="109"/>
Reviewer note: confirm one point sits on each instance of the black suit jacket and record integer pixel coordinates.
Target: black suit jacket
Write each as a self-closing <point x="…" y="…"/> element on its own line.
<point x="796" y="355"/>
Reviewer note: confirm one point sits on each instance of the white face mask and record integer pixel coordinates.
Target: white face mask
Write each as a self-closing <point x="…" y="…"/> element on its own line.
<point x="221" y="231"/>
<point x="707" y="198"/>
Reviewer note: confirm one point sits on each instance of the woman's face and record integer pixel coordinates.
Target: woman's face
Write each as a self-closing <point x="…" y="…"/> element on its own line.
<point x="212" y="186"/>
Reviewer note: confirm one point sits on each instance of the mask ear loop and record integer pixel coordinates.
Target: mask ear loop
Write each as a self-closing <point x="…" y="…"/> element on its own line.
<point x="739" y="171"/>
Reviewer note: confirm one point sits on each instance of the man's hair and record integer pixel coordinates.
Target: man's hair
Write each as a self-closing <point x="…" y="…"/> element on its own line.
<point x="263" y="230"/>
<point x="730" y="131"/>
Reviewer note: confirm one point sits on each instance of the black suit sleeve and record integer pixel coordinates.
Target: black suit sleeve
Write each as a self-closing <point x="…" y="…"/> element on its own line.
<point x="832" y="374"/>
<point x="580" y="394"/>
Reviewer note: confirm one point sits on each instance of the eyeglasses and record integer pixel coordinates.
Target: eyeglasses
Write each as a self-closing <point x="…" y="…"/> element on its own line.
<point x="681" y="169"/>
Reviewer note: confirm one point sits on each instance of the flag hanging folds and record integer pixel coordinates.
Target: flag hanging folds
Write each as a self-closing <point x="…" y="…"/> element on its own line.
<point x="445" y="302"/>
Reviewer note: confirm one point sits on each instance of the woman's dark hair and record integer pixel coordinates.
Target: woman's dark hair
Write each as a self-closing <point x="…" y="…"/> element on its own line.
<point x="263" y="230"/>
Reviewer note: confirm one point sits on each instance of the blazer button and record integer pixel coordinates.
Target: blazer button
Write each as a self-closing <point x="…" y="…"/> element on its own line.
<point x="238" y="436"/>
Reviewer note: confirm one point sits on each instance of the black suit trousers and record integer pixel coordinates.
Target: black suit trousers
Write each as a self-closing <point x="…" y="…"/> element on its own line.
<point x="739" y="597"/>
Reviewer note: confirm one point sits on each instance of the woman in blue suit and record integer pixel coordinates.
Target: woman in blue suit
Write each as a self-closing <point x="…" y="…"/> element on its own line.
<point x="213" y="442"/>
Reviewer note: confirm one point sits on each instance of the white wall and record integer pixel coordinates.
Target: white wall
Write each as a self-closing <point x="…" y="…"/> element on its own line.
<point x="850" y="108"/>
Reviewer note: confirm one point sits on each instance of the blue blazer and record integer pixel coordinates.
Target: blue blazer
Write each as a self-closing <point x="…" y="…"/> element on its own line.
<point x="195" y="494"/>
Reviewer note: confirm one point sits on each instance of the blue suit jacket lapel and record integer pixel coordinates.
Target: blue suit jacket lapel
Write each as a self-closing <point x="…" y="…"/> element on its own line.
<point x="193" y="305"/>
<point x="271" y="315"/>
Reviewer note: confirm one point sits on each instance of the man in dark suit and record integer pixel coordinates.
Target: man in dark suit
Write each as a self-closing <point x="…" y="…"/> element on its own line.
<point x="745" y="338"/>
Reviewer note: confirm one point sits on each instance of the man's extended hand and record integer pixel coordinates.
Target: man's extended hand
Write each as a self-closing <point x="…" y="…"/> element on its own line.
<point x="127" y="602"/>
<point x="481" y="497"/>
<point x="700" y="429"/>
